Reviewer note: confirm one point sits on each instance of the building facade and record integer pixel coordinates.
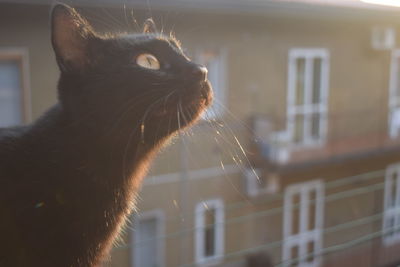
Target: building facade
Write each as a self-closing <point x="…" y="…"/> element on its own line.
<point x="296" y="163"/>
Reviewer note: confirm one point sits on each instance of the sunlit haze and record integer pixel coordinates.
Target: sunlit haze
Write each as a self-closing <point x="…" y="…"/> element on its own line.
<point x="395" y="3"/>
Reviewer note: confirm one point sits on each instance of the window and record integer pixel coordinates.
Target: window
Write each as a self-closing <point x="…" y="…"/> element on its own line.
<point x="209" y="239"/>
<point x="383" y="38"/>
<point x="391" y="217"/>
<point x="303" y="222"/>
<point x="394" y="95"/>
<point x="214" y="61"/>
<point x="307" y="96"/>
<point x="148" y="241"/>
<point x="14" y="93"/>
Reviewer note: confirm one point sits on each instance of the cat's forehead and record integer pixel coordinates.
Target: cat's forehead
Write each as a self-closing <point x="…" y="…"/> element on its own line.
<point x="155" y="40"/>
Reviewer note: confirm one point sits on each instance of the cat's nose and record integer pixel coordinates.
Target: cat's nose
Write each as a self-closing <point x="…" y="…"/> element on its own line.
<point x="199" y="72"/>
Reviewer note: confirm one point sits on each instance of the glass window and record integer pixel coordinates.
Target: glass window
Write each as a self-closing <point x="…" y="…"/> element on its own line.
<point x="308" y="91"/>
<point x="10" y="93"/>
<point x="147" y="239"/>
<point x="394" y="95"/>
<point x="209" y="239"/>
<point x="303" y="216"/>
<point x="391" y="219"/>
<point x="214" y="61"/>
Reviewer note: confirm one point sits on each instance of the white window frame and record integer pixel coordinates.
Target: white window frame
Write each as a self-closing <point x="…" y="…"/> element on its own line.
<point x="394" y="100"/>
<point x="307" y="110"/>
<point x="201" y="208"/>
<point x="383" y="38"/>
<point x="21" y="55"/>
<point x="391" y="212"/>
<point x="304" y="234"/>
<point x="160" y="218"/>
<point x="219" y="104"/>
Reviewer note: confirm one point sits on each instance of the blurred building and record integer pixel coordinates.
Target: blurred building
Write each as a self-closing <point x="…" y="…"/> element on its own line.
<point x="298" y="161"/>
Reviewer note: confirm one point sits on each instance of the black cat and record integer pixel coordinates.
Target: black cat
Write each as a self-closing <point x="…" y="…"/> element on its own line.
<point x="69" y="181"/>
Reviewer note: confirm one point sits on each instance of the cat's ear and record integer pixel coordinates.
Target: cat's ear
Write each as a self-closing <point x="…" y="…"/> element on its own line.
<point x="70" y="35"/>
<point x="149" y="26"/>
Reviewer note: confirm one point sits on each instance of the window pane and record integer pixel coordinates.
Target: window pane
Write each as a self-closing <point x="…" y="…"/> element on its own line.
<point x="316" y="86"/>
<point x="299" y="128"/>
<point x="397" y="225"/>
<point x="210" y="241"/>
<point x="296" y="214"/>
<point x="392" y="190"/>
<point x="146" y="243"/>
<point x="300" y="79"/>
<point x="310" y="251"/>
<point x="209" y="232"/>
<point x="312" y="210"/>
<point x="306" y="236"/>
<point x="10" y="94"/>
<point x="397" y="78"/>
<point x="390" y="224"/>
<point x="315" y="126"/>
<point x="294" y="253"/>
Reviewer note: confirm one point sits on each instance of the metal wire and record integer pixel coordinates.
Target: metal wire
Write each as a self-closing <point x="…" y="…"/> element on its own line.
<point x="273" y="211"/>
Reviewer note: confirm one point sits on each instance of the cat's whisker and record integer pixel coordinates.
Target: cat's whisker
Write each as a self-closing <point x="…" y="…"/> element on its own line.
<point x="238" y="143"/>
<point x="142" y="122"/>
<point x="94" y="17"/>
<point x="162" y="27"/>
<point x="125" y="109"/>
<point x="131" y="26"/>
<point x="179" y="122"/>
<point x="139" y="98"/>
<point x="235" y="155"/>
<point x="164" y="109"/>
<point x="131" y="106"/>
<point x="181" y="111"/>
<point x="135" y="21"/>
<point x="233" y="116"/>
<point x="142" y="132"/>
<point x="169" y="125"/>
<point x="126" y="17"/>
<point x="168" y="96"/>
<point x="150" y="107"/>
<point x="190" y="130"/>
<point x="185" y="119"/>
<point x="113" y="19"/>
<point x="222" y="165"/>
<point x="178" y="118"/>
<point x="188" y="113"/>
<point x="149" y="9"/>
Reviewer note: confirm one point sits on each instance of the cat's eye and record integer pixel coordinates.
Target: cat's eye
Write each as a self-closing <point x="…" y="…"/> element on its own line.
<point x="148" y="61"/>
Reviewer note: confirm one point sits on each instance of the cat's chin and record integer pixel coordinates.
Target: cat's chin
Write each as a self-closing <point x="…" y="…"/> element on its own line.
<point x="187" y="113"/>
<point x="189" y="106"/>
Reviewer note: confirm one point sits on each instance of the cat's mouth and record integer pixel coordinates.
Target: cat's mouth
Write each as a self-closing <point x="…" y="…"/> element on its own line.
<point x="189" y="103"/>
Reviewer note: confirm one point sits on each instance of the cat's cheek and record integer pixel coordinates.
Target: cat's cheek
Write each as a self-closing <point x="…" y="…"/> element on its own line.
<point x="207" y="94"/>
<point x="208" y="99"/>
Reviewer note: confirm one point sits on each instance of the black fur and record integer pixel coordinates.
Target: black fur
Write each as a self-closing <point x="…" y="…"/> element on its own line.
<point x="69" y="180"/>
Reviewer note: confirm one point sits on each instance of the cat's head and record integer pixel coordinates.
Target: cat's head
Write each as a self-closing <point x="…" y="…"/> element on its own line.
<point x="139" y="79"/>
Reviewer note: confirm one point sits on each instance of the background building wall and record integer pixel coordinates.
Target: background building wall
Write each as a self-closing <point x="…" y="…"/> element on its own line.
<point x="257" y="50"/>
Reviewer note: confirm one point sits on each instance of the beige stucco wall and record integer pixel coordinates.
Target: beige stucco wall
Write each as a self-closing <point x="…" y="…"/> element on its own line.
<point x="28" y="28"/>
<point x="257" y="76"/>
<point x="257" y="49"/>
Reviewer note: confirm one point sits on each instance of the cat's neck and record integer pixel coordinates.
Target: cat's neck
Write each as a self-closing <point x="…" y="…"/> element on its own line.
<point x="96" y="178"/>
<point x="111" y="157"/>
